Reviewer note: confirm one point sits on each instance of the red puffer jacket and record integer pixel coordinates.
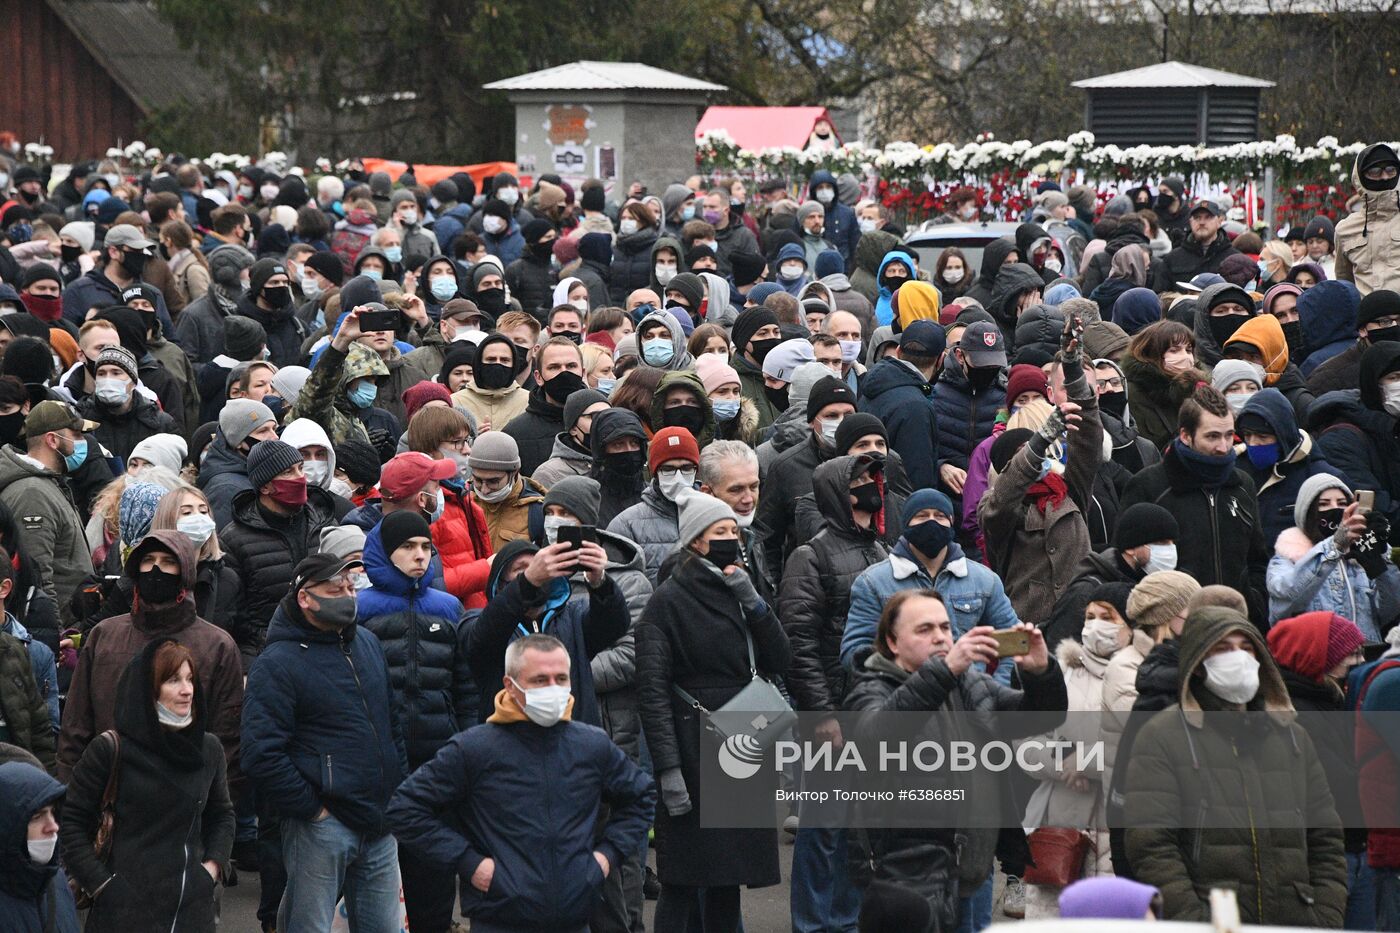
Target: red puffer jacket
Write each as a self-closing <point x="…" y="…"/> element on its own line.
<point x="463" y="546"/>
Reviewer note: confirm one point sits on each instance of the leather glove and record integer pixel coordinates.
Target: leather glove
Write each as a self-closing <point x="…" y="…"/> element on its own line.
<point x="742" y="587"/>
<point x="673" y="793"/>
<point x="1372" y="549"/>
<point x="1052" y="430"/>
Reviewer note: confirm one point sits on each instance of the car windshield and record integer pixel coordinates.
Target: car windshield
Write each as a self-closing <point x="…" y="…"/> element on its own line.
<point x="971" y="247"/>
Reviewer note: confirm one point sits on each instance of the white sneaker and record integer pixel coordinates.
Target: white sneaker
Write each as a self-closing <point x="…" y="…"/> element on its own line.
<point x="790" y="824"/>
<point x="1013" y="898"/>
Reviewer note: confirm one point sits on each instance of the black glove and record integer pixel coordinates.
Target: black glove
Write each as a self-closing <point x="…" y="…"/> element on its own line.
<point x="1372" y="549"/>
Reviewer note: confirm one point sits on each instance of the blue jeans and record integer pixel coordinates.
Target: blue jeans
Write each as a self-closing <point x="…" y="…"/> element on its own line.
<point x="324" y="859"/>
<point x="823" y="899"/>
<point x="1361" y="893"/>
<point x="1387" y="900"/>
<point x="975" y="910"/>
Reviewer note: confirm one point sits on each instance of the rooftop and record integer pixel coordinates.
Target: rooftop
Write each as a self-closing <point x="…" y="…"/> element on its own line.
<point x="603" y="76"/>
<point x="1172" y="74"/>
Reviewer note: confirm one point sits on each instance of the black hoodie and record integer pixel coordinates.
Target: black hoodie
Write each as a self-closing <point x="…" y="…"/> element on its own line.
<point x="993" y="256"/>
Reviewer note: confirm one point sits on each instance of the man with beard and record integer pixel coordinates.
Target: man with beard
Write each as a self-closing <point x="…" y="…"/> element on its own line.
<point x="1203" y="251"/>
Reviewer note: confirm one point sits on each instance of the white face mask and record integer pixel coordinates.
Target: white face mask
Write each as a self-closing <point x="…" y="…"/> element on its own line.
<point x="498" y="494"/>
<point x="826" y="195"/>
<point x="361" y="581"/>
<point x="197" y="527"/>
<point x="1237" y="401"/>
<point x="1160" y="557"/>
<point x="110" y="390"/>
<point x="493" y="224"/>
<point x="627" y="225"/>
<point x="953" y="275"/>
<point x="673" y="484"/>
<point x="552" y="524"/>
<point x="509" y="195"/>
<point x="309" y="286"/>
<point x="1052" y="265"/>
<point x="1390" y="400"/>
<point x="828" y="429"/>
<point x="580" y="304"/>
<point x="472" y="334"/>
<point x="408" y="218"/>
<point x="168" y="718"/>
<point x="268" y="192"/>
<point x="791" y="271"/>
<point x="41" y="850"/>
<point x="665" y="273"/>
<point x="850" y="351"/>
<point x="1233" y="675"/>
<point x="866" y="225"/>
<point x="1102" y="637"/>
<point x="545" y="706"/>
<point x="745" y="521"/>
<point x="316" y="472"/>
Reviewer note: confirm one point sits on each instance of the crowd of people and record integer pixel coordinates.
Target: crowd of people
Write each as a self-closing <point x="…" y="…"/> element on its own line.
<point x="391" y="541"/>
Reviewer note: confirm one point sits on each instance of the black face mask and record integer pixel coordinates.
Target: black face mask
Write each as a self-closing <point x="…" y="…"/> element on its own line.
<point x="1383" y="333"/>
<point x="1114" y="403"/>
<point x="278" y="296"/>
<point x="981" y="377"/>
<point x="70" y="253"/>
<point x="929" y="537"/>
<point x="684" y="416"/>
<point x="627" y="463"/>
<point x="134" y="263"/>
<point x="158" y="588"/>
<point x="892" y="282"/>
<point x="1329" y="520"/>
<point x="11" y="426"/>
<point x="493" y="375"/>
<point x="778" y="398"/>
<point x="492" y="301"/>
<point x="723" y="552"/>
<point x="560" y="387"/>
<point x="1297" y="344"/>
<point x="761" y="348"/>
<point x="164" y="251"/>
<point x="1223" y="327"/>
<point x="573" y="335"/>
<point x="542" y="251"/>
<point x="868" y="498"/>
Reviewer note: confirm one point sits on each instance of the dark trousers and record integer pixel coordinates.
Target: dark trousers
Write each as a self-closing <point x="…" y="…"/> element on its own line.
<point x="429" y="893"/>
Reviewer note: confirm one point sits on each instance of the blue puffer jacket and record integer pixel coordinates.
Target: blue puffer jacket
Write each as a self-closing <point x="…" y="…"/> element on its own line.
<point x="33" y="898"/>
<point x="974" y="596"/>
<point x="506" y="247"/>
<point x="842" y="229"/>
<point x="417" y="626"/>
<point x="528" y="798"/>
<point x="1327" y="313"/>
<point x="965" y="418"/>
<point x="451" y="225"/>
<point x="902" y="398"/>
<point x="319" y="728"/>
<point x="1298" y="459"/>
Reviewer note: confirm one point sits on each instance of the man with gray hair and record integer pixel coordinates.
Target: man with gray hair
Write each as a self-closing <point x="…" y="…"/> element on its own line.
<point x="729" y="471"/>
<point x="455" y="809"/>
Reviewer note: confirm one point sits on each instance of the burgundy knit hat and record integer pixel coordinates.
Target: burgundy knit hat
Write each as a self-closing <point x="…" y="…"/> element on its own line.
<point x="1026" y="378"/>
<point x="420" y="394"/>
<point x="1313" y="643"/>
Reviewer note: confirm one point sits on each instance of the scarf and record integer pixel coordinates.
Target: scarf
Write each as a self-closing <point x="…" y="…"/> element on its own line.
<point x="1213" y="472"/>
<point x="1048" y="492"/>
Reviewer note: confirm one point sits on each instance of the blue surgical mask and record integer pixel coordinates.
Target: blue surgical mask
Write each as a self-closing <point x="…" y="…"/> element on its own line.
<point x="1263" y="456"/>
<point x="606" y="386"/>
<point x="726" y="409"/>
<point x="658" y="351"/>
<point x="372" y="274"/>
<point x="75" y="459"/>
<point x="688" y="212"/>
<point x="443" y="287"/>
<point x="363" y="395"/>
<point x="394" y="253"/>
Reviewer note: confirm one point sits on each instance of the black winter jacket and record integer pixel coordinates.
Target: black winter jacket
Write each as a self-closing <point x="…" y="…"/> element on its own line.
<point x="789" y="477"/>
<point x="1190" y="259"/>
<point x="631" y="265"/>
<point x="120" y="432"/>
<point x="284" y="331"/>
<point x="816" y="588"/>
<point x="262" y="550"/>
<point x="534" y="430"/>
<point x="531" y="283"/>
<point x="1067" y="618"/>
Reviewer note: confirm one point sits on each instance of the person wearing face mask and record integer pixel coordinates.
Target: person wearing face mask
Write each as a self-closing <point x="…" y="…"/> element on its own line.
<point x="1356" y="431"/>
<point x="1063" y="796"/>
<point x="1144" y="542"/>
<point x="680" y="401"/>
<point x="661" y="340"/>
<point x="573" y="451"/>
<point x="163" y="867"/>
<point x="341" y="391"/>
<point x="1322" y="323"/>
<point x="125" y="250"/>
<point x="1261" y="341"/>
<point x="735" y="417"/>
<point x="1366" y="253"/>
<point x="325" y="751"/>
<point x="1160" y="372"/>
<point x="754" y="334"/>
<point x="899" y="391"/>
<point x="1377" y="320"/>
<point x="1277" y="455"/>
<point x="618" y="443"/>
<point x="414" y="241"/>
<point x="511" y="502"/>
<point x="970" y="390"/>
<point x="185" y="510"/>
<point x="1238" y="380"/>
<point x="1221" y="767"/>
<point x="790" y="269"/>
<point x="223" y="471"/>
<point x="673" y="459"/>
<point x="126" y="416"/>
<point x="269" y="302"/>
<point x="678" y="207"/>
<point x="842" y="229"/>
<point x="558" y="374"/>
<point x="500" y="232"/>
<point x="1335" y="557"/>
<point x="896" y="268"/>
<point x="696" y="634"/>
<point x="532" y="277"/>
<point x="532" y="736"/>
<point x="318" y="459"/>
<point x="34" y="892"/>
<point x="633" y="252"/>
<point x="665" y="263"/>
<point x="275" y="523"/>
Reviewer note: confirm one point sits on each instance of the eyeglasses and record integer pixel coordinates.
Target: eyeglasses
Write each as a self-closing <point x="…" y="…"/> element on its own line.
<point x="1114" y="383"/>
<point x="339" y="586"/>
<point x="491" y="484"/>
<point x="1379" y="172"/>
<point x="462" y="444"/>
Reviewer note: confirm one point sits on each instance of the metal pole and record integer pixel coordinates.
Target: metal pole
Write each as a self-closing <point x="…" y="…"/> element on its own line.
<point x="1269" y="198"/>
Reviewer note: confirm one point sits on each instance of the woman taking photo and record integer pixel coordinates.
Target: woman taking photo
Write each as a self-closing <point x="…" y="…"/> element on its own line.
<point x="172" y="822"/>
<point x="695" y="635"/>
<point x="1160" y="369"/>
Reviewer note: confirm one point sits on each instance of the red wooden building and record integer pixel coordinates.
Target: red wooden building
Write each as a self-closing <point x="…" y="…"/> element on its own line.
<point x="83" y="75"/>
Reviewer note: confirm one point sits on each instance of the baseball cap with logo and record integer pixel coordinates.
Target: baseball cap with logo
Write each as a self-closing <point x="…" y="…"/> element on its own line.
<point x="54" y="416"/>
<point x="1206" y="204"/>
<point x="406" y="473"/>
<point x="983" y="344"/>
<point x="126" y="236"/>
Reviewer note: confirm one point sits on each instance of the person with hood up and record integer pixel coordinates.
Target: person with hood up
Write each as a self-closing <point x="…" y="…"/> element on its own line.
<point x="915" y="301"/>
<point x="829" y="271"/>
<point x="755" y="334"/>
<point x="1040" y="251"/>
<point x="1277" y="455"/>
<point x="1335" y="558"/>
<point x="1220" y="767"/>
<point x="124" y="417"/>
<point x="1355" y="428"/>
<point x="340" y="392"/>
<point x="995" y="255"/>
<point x="1038" y="332"/>
<point x="871" y="250"/>
<point x="1128" y="270"/>
<point x="665" y="262"/>
<point x="899" y="391"/>
<point x="790" y="269"/>
<point x="618" y="442"/>
<point x="1135" y="309"/>
<point x="1031" y="516"/>
<point x="896" y="268"/>
<point x="493" y="395"/>
<point x="678" y="208"/>
<point x="1327" y="320"/>
<point x="268" y="301"/>
<point x="532" y="278"/>
<point x="595" y="269"/>
<point x="1018" y="287"/>
<point x="172" y="819"/>
<point x="842" y="230"/>
<point x="661" y="340"/>
<point x="34" y="892"/>
<point x="1260" y="341"/>
<point x="1377" y="320"/>
<point x="680" y="401"/>
<point x="318" y="459"/>
<point x="1367" y="254"/>
<point x="434" y="694"/>
<point x="401" y="373"/>
<point x="1203" y="251"/>
<point x="1161" y="373"/>
<point x="718" y="303"/>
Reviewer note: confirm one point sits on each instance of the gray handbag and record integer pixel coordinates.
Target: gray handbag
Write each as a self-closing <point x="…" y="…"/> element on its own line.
<point x="759" y="710"/>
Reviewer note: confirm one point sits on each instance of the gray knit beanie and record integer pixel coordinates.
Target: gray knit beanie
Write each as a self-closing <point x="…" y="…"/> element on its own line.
<point x="1311" y="488"/>
<point x="495" y="450"/>
<point x="242" y="416"/>
<point x="698" y="512"/>
<point x="342" y="540"/>
<point x="577" y="403"/>
<point x="580" y="495"/>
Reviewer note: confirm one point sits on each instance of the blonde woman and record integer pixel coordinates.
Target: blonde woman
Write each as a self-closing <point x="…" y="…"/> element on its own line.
<point x="185" y="509"/>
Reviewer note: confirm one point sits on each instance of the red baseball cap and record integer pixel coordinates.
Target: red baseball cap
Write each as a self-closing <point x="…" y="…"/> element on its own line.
<point x="407" y="473"/>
